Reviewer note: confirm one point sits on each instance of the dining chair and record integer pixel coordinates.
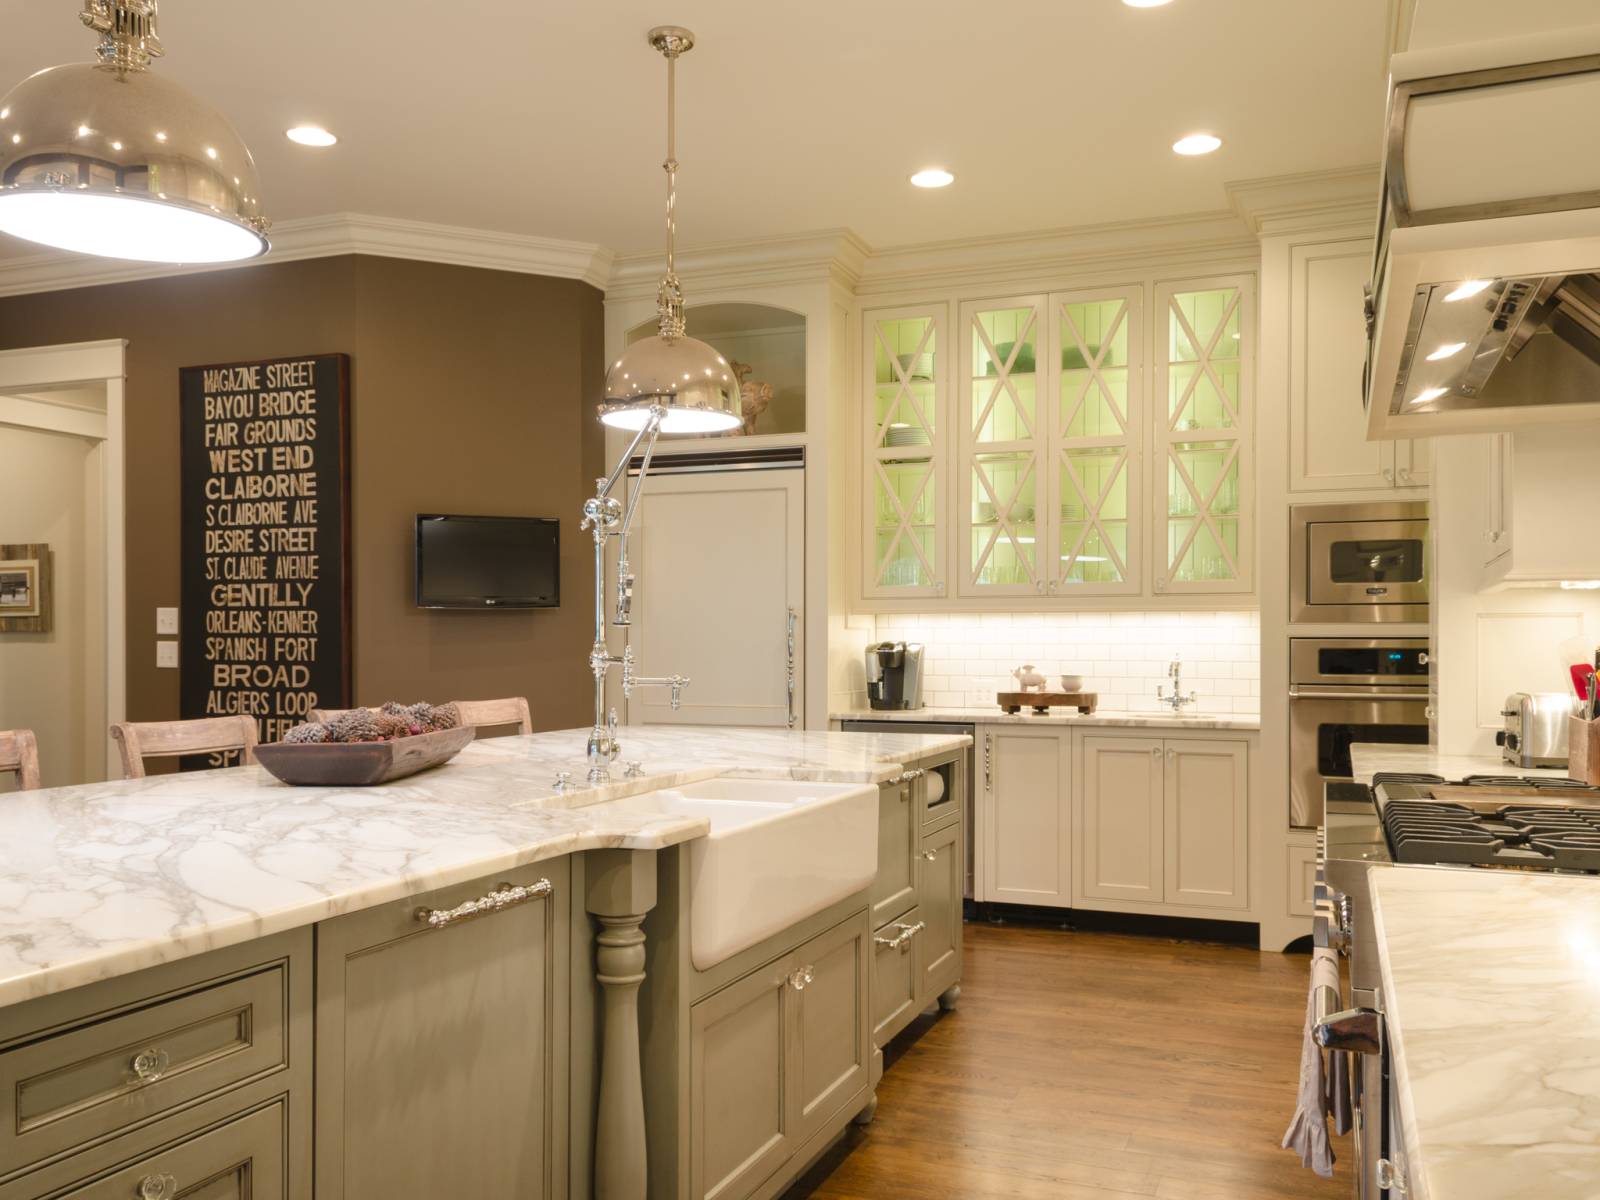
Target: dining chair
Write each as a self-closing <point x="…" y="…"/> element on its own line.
<point x="19" y="755"/>
<point x="139" y="740"/>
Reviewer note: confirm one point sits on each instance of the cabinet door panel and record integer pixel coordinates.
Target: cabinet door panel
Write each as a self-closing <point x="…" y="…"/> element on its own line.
<point x="436" y="1048"/>
<point x="1122" y="805"/>
<point x="834" y="1019"/>
<point x="1328" y="446"/>
<point x="938" y="943"/>
<point x="894" y="977"/>
<point x="905" y="483"/>
<point x="242" y="1160"/>
<point x="743" y="1094"/>
<point x="1207" y="825"/>
<point x="1027" y="817"/>
<point x="894" y="887"/>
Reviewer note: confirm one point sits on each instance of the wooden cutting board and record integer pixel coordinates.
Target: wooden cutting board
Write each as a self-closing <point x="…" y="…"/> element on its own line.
<point x="1042" y="702"/>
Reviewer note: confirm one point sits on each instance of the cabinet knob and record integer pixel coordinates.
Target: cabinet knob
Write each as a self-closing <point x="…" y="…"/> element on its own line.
<point x="158" y="1187"/>
<point x="1155" y="751"/>
<point x="930" y="855"/>
<point x="801" y="976"/>
<point x="150" y="1065"/>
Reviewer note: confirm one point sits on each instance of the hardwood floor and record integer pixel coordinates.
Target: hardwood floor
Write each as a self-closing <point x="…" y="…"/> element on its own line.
<point x="1087" y="1066"/>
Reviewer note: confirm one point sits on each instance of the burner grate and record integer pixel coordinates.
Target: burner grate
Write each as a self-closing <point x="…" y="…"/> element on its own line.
<point x="1552" y="837"/>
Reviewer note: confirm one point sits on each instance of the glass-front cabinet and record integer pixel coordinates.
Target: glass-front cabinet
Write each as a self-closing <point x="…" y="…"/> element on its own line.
<point x="905" y="464"/>
<point x="1093" y="443"/>
<point x="1203" y="438"/>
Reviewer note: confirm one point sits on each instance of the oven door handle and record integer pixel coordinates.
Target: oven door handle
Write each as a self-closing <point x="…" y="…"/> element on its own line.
<point x="1358" y="1030"/>
<point x="1297" y="692"/>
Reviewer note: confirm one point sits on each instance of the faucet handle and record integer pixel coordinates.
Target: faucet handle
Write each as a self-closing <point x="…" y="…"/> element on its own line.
<point x="563" y="781"/>
<point x="679" y="682"/>
<point x="635" y="770"/>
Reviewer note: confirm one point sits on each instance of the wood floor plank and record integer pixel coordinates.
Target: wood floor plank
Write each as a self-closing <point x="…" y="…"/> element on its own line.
<point x="1088" y="1066"/>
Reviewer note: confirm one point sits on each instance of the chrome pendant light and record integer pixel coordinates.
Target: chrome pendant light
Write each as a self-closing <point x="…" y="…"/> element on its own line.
<point x="110" y="159"/>
<point x="685" y="381"/>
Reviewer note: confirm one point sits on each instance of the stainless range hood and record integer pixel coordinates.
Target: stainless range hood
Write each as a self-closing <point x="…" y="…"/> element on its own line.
<point x="1485" y="305"/>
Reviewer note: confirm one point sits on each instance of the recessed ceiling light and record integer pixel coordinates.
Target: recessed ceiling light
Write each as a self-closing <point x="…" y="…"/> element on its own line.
<point x="1197" y="143"/>
<point x="1446" y="350"/>
<point x="933" y="177"/>
<point x="1470" y="287"/>
<point x="310" y="135"/>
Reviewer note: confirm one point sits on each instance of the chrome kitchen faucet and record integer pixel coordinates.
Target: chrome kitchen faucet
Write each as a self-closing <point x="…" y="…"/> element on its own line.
<point x="1177" y="699"/>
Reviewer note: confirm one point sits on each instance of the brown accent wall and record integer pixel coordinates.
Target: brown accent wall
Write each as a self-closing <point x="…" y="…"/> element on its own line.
<point x="471" y="391"/>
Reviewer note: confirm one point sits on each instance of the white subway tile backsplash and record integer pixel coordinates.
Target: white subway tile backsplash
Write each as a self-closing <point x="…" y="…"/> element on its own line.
<point x="1123" y="656"/>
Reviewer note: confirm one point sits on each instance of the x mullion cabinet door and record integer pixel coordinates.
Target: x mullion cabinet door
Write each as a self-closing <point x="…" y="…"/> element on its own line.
<point x="905" y="482"/>
<point x="1004" y="492"/>
<point x="1096" y="455"/>
<point x="1204" y="420"/>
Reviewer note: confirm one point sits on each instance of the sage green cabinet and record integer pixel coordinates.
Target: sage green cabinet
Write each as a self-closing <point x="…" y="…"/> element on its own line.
<point x="895" y="976"/>
<point x="894" y="886"/>
<point x="774" y="1056"/>
<point x="441" y="1052"/>
<point x="940" y="874"/>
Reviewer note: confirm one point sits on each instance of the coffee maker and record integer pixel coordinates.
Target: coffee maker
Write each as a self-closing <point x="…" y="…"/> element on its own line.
<point x="894" y="675"/>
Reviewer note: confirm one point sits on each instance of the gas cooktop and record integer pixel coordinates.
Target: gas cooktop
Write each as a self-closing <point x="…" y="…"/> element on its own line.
<point x="1528" y="822"/>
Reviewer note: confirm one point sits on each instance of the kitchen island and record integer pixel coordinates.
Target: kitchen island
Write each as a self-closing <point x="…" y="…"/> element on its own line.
<point x="168" y="946"/>
<point x="1491" y="984"/>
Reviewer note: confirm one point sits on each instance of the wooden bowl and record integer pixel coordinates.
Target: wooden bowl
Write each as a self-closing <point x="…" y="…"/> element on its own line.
<point x="360" y="764"/>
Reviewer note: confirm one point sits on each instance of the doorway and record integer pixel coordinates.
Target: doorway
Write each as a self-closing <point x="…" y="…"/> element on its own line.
<point x="61" y="487"/>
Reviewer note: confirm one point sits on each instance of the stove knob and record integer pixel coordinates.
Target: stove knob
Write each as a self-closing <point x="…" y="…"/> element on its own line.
<point x="1511" y="742"/>
<point x="1500" y="738"/>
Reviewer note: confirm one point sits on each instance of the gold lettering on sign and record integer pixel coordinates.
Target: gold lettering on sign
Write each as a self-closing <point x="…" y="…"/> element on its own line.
<point x="262" y="561"/>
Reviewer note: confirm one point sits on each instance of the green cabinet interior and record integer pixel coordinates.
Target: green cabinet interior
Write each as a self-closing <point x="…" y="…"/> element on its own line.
<point x="441" y="1053"/>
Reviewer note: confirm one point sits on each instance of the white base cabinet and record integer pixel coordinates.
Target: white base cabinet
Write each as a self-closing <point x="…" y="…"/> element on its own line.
<point x="1140" y="824"/>
<point x="1025" y="802"/>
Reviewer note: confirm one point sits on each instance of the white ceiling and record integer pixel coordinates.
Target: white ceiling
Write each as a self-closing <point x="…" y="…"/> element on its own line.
<point x="548" y="118"/>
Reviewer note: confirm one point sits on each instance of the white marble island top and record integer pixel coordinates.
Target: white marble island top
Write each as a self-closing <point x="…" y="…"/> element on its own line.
<point x="1101" y="718"/>
<point x="103" y="879"/>
<point x="1491" y="984"/>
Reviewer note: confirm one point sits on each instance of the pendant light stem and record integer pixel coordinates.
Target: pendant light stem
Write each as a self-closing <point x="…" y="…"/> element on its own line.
<point x="669" y="298"/>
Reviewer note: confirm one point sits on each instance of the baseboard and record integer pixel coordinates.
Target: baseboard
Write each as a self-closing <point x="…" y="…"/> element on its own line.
<point x="1187" y="929"/>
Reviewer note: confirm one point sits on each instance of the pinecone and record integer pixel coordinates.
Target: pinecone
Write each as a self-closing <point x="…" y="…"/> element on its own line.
<point x="393" y="725"/>
<point x="445" y="716"/>
<point x="309" y="731"/>
<point x="357" y="725"/>
<point x="393" y="708"/>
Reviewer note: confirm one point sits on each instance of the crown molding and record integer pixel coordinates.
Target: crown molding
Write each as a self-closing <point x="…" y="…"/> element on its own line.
<point x="1309" y="202"/>
<point x="327" y="236"/>
<point x="836" y="255"/>
<point x="1193" y="237"/>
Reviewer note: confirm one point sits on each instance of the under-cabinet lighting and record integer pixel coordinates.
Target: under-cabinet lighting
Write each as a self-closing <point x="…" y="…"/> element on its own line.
<point x="310" y="135"/>
<point x="1196" y="143"/>
<point x="1580" y="585"/>
<point x="1468" y="288"/>
<point x="1427" y="394"/>
<point x="1446" y="350"/>
<point x="1146" y="3"/>
<point x="932" y="177"/>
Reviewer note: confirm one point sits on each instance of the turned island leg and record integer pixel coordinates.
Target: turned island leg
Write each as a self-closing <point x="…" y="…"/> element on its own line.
<point x="621" y="890"/>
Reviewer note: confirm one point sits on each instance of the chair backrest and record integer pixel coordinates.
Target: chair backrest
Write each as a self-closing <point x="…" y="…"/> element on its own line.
<point x="19" y="752"/>
<point x="139" y="740"/>
<point x="513" y="710"/>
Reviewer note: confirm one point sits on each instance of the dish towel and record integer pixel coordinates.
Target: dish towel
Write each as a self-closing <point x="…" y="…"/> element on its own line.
<point x="1307" y="1134"/>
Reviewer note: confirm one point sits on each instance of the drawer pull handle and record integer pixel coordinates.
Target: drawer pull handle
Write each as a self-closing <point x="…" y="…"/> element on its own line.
<point x="902" y="939"/>
<point x="158" y="1187"/>
<point x="150" y="1065"/>
<point x="800" y="977"/>
<point x="507" y="895"/>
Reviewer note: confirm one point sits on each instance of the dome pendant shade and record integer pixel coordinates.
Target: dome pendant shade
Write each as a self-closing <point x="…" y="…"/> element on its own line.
<point x="684" y="376"/>
<point x="113" y="160"/>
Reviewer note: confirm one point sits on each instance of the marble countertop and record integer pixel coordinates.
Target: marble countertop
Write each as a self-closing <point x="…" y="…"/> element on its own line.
<point x="103" y="879"/>
<point x="1366" y="760"/>
<point x="1491" y="985"/>
<point x="991" y="715"/>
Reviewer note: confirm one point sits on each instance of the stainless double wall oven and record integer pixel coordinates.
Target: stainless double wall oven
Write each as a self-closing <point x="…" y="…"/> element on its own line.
<point x="1345" y="690"/>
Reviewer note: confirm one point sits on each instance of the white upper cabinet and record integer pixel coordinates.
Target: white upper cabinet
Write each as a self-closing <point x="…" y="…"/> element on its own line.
<point x="1203" y="440"/>
<point x="1328" y="446"/>
<point x="907" y="431"/>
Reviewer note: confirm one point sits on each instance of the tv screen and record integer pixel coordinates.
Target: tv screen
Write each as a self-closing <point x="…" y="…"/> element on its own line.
<point x="488" y="562"/>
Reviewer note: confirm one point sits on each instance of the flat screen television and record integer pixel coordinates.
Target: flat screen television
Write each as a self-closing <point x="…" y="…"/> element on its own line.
<point x="488" y="562"/>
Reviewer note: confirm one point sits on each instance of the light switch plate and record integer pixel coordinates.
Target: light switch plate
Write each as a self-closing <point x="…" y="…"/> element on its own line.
<point x="166" y="654"/>
<point x="167" y="620"/>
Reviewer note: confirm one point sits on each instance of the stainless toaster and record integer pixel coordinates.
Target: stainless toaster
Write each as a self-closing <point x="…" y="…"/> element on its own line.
<point x="1535" y="733"/>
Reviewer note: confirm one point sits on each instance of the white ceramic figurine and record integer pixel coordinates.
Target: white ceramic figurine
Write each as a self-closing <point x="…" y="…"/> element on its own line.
<point x="1029" y="679"/>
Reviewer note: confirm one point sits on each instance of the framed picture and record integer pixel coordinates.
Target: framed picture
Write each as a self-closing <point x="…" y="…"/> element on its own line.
<point x="25" y="588"/>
